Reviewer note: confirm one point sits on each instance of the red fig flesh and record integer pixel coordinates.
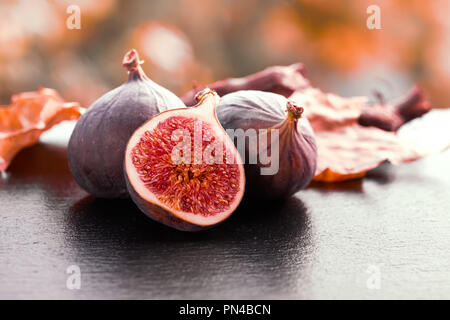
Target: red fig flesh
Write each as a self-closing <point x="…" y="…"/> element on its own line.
<point x="183" y="170"/>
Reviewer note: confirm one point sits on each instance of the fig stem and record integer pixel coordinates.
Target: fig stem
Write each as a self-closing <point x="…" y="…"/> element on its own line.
<point x="131" y="61"/>
<point x="207" y="99"/>
<point x="294" y="112"/>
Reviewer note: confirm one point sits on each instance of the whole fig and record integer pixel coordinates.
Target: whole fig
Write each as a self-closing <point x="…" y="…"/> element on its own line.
<point x="97" y="146"/>
<point x="272" y="128"/>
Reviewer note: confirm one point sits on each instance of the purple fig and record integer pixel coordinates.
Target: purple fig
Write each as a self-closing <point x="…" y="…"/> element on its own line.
<point x="277" y="134"/>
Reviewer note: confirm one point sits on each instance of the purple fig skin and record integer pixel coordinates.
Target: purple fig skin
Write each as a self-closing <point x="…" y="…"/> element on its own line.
<point x="97" y="145"/>
<point x="251" y="109"/>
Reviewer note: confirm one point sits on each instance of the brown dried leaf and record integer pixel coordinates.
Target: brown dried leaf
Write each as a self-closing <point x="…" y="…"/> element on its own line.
<point x="347" y="152"/>
<point x="29" y="115"/>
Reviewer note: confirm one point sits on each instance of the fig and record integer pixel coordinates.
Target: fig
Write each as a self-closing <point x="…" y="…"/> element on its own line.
<point x="391" y="117"/>
<point x="182" y="169"/>
<point x="97" y="145"/>
<point x="278" y="142"/>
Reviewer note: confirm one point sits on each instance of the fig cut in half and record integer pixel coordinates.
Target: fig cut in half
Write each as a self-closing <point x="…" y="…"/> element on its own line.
<point x="182" y="169"/>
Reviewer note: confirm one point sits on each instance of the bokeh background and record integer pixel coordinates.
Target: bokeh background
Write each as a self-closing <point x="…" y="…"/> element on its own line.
<point x="183" y="41"/>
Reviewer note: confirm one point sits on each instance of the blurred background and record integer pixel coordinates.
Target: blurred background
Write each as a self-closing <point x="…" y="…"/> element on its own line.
<point x="182" y="41"/>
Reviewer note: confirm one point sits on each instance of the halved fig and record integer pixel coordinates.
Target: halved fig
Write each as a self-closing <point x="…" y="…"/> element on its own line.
<point x="182" y="169"/>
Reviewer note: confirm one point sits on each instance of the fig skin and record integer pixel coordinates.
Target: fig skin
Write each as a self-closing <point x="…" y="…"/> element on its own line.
<point x="97" y="145"/>
<point x="251" y="109"/>
<point x="205" y="110"/>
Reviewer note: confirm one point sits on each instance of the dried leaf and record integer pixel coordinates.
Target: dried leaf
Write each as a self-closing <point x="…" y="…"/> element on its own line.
<point x="347" y="152"/>
<point x="29" y="115"/>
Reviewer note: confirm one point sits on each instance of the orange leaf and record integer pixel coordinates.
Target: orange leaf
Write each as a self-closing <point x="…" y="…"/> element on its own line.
<point x="29" y="115"/>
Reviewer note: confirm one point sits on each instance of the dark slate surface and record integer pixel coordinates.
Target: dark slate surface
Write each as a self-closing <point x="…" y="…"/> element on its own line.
<point x="326" y="242"/>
